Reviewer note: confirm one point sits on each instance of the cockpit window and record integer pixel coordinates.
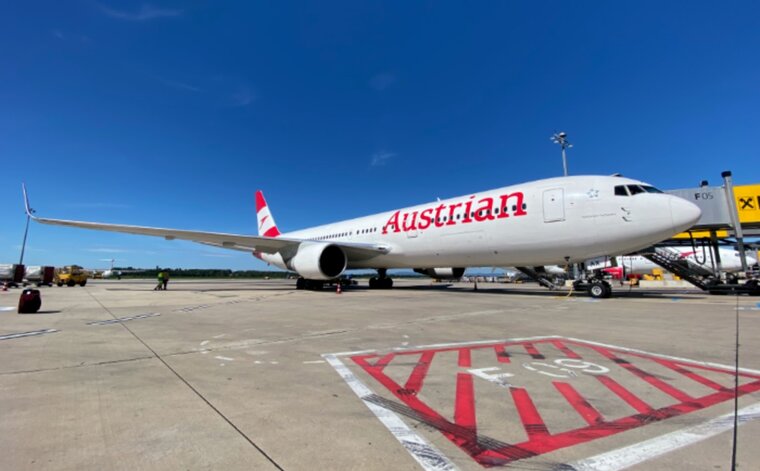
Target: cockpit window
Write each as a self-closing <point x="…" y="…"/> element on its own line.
<point x="621" y="191"/>
<point x="635" y="189"/>
<point x="650" y="189"/>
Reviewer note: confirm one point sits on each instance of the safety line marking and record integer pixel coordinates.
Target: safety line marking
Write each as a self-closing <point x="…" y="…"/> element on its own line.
<point x="27" y="334"/>
<point x="628" y="456"/>
<point x="644" y="352"/>
<point x="421" y="450"/>
<point x="7" y="308"/>
<point x="488" y="451"/>
<point x="547" y="337"/>
<point x="119" y="320"/>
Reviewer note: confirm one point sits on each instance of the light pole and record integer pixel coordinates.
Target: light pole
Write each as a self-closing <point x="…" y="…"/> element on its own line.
<point x="561" y="139"/>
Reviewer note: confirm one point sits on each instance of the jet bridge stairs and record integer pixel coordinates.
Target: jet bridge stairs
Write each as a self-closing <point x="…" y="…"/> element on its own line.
<point x="699" y="276"/>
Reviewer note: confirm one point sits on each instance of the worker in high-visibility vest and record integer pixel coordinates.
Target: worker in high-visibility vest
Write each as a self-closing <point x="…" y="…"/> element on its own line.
<point x="161" y="283"/>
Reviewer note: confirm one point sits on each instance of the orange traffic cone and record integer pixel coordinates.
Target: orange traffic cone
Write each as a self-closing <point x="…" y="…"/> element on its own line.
<point x="338" y="290"/>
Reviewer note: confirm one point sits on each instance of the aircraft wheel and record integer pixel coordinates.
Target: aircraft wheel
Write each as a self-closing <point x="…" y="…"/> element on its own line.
<point x="373" y="283"/>
<point x="387" y="283"/>
<point x="599" y="289"/>
<point x="300" y="283"/>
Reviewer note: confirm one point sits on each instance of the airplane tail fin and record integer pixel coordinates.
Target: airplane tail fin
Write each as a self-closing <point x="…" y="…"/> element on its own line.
<point x="267" y="226"/>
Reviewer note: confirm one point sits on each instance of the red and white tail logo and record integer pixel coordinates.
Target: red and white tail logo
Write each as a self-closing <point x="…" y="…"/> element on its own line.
<point x="267" y="226"/>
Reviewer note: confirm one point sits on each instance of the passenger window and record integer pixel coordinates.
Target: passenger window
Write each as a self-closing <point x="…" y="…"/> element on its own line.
<point x="621" y="191"/>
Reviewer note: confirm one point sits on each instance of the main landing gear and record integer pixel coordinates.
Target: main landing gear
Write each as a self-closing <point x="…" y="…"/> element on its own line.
<point x="381" y="281"/>
<point x="596" y="287"/>
<point x="314" y="285"/>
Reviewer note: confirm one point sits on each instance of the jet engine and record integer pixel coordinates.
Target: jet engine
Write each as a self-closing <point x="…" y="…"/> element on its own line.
<point x="318" y="261"/>
<point x="441" y="273"/>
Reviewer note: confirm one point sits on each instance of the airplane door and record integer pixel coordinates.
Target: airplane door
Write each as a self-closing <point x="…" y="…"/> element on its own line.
<point x="554" y="205"/>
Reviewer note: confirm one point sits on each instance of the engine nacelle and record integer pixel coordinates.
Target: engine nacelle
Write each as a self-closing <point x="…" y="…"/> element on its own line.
<point x="441" y="273"/>
<point x="318" y="261"/>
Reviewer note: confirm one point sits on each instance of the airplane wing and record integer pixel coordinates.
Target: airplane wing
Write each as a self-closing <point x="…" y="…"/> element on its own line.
<point x="247" y="243"/>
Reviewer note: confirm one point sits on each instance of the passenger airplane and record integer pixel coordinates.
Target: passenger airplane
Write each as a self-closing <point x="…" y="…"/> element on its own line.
<point x="625" y="265"/>
<point x="545" y="222"/>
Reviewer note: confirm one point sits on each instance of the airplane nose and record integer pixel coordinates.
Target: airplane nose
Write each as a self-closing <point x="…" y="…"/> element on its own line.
<point x="683" y="213"/>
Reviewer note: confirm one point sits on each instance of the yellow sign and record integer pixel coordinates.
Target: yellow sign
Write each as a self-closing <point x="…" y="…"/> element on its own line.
<point x="701" y="235"/>
<point x="748" y="203"/>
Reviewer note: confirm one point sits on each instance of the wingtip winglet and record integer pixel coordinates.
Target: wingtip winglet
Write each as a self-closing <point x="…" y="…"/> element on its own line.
<point x="27" y="208"/>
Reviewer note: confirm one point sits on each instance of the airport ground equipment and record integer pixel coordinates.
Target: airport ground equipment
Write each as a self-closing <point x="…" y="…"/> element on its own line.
<point x="39" y="275"/>
<point x="699" y="276"/>
<point x="30" y="301"/>
<point x="12" y="275"/>
<point x="71" y="275"/>
<point x="672" y="261"/>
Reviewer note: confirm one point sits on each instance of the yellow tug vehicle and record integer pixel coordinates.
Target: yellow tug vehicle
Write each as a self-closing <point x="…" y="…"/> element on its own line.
<point x="71" y="275"/>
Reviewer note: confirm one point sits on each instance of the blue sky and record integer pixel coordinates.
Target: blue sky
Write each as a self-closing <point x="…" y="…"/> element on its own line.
<point x="172" y="114"/>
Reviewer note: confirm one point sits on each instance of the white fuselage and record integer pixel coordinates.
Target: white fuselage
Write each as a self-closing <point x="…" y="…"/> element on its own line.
<point x="552" y="221"/>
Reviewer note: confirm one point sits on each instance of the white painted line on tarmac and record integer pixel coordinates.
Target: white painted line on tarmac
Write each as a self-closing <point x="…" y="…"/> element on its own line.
<point x="485" y="342"/>
<point x="218" y="357"/>
<point x="313" y="362"/>
<point x="453" y="344"/>
<point x="205" y="342"/>
<point x="27" y="334"/>
<point x="421" y="450"/>
<point x="119" y="320"/>
<point x="358" y="352"/>
<point x="7" y="308"/>
<point x="628" y="456"/>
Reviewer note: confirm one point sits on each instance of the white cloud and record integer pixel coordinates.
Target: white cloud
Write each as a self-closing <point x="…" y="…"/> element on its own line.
<point x="381" y="158"/>
<point x="106" y="250"/>
<point x="146" y="12"/>
<point x="382" y="81"/>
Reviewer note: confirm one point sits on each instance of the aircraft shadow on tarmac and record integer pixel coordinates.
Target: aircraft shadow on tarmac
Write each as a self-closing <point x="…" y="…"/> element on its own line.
<point x="287" y="285"/>
<point x="616" y="293"/>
